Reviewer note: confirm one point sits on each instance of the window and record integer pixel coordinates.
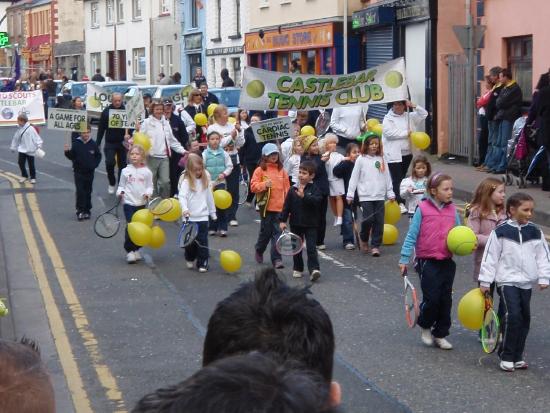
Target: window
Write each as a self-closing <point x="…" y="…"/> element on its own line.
<point x="164" y="7"/>
<point x="95" y="62"/>
<point x="520" y="62"/>
<point x="110" y="11"/>
<point x="264" y="4"/>
<point x="140" y="65"/>
<point x="237" y="70"/>
<point x="218" y="20"/>
<point x="136" y="9"/>
<point x="169" y="60"/>
<point x="119" y="11"/>
<point x="160" y="58"/>
<point x="194" y="14"/>
<point x="238" y="17"/>
<point x="94" y="18"/>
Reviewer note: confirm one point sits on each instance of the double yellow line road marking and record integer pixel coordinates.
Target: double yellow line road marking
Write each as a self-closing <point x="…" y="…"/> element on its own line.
<point x="71" y="371"/>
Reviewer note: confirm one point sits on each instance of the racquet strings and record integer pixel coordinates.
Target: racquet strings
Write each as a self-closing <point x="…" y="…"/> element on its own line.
<point x="160" y="206"/>
<point x="106" y="225"/>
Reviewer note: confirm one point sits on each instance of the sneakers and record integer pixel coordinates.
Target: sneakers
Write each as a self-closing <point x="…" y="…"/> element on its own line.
<point x="138" y="255"/>
<point x="337" y="221"/>
<point x="111" y="189"/>
<point x="278" y="264"/>
<point x="86" y="215"/>
<point x="321" y="247"/>
<point x="426" y="336"/>
<point x="297" y="274"/>
<point x="189" y="264"/>
<point x="203" y="269"/>
<point x="22" y="180"/>
<point x="375" y="252"/>
<point x="80" y="216"/>
<point x="315" y="275"/>
<point x="403" y="208"/>
<point x="521" y="365"/>
<point x="507" y="366"/>
<point x="223" y="233"/>
<point x="131" y="257"/>
<point x="211" y="232"/>
<point x="233" y="223"/>
<point x="259" y="257"/>
<point x="443" y="344"/>
<point x="349" y="246"/>
<point x="33" y="181"/>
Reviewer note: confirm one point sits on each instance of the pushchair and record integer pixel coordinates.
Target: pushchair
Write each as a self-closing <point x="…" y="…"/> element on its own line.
<point x="518" y="156"/>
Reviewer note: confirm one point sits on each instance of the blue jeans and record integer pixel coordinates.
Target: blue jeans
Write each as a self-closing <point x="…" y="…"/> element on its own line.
<point x="51" y="101"/>
<point x="346" y="229"/>
<point x="504" y="134"/>
<point x="491" y="140"/>
<point x="198" y="250"/>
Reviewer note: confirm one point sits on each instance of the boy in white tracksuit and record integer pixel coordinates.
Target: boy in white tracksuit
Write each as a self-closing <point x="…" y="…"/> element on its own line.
<point x="26" y="141"/>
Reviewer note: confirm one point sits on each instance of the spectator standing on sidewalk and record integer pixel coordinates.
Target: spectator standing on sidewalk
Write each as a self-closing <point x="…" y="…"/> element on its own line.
<point x="490" y="113"/>
<point x="226" y="80"/>
<point x="481" y="104"/>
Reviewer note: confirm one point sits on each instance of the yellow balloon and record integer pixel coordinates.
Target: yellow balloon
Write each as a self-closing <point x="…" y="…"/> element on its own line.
<point x="144" y="216"/>
<point x="372" y="122"/>
<point x="231" y="120"/>
<point x="201" y="119"/>
<point x="377" y="129"/>
<point x="392" y="212"/>
<point x="210" y="109"/>
<point x="307" y="130"/>
<point x="140" y="234"/>
<point x="461" y="240"/>
<point x="174" y="214"/>
<point x="471" y="308"/>
<point x="222" y="199"/>
<point x="421" y="140"/>
<point x="157" y="237"/>
<point x="390" y="234"/>
<point x="142" y="140"/>
<point x="230" y="260"/>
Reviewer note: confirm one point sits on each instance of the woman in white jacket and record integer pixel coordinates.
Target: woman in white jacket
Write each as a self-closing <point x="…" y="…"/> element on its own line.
<point x="398" y="123"/>
<point x="26" y="141"/>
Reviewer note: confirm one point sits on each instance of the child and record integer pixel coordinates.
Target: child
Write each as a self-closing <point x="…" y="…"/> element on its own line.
<point x="86" y="157"/>
<point x="372" y="180"/>
<point x="485" y="213"/>
<point x="312" y="153"/>
<point x="516" y="257"/>
<point x="412" y="188"/>
<point x="270" y="175"/>
<point x="292" y="163"/>
<point x="250" y="154"/>
<point x="224" y="128"/>
<point x="218" y="164"/>
<point x="344" y="170"/>
<point x="26" y="141"/>
<point x="302" y="204"/>
<point x="197" y="204"/>
<point x="336" y="184"/>
<point x="288" y="144"/>
<point x="434" y="218"/>
<point x="134" y="189"/>
<point x="232" y="180"/>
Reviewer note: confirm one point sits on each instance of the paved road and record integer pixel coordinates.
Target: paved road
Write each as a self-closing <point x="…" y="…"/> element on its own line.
<point x="113" y="332"/>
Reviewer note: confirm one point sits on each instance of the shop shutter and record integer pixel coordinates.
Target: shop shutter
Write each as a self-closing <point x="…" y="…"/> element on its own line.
<point x="379" y="50"/>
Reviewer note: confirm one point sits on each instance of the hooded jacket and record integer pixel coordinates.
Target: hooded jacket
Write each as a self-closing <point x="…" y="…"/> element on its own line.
<point x="26" y="140"/>
<point x="508" y="103"/>
<point x="162" y="138"/>
<point x="395" y="136"/>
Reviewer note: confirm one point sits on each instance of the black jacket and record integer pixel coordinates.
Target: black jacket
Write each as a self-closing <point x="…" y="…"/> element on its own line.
<point x="321" y="177"/>
<point x="85" y="156"/>
<point x="179" y="130"/>
<point x="113" y="136"/>
<point x="251" y="152"/>
<point x="210" y="98"/>
<point x="343" y="170"/>
<point x="491" y="108"/>
<point x="228" y="82"/>
<point x="508" y="103"/>
<point x="303" y="212"/>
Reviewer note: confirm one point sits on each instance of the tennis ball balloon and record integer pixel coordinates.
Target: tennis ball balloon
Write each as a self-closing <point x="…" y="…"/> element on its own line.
<point x="140" y="234"/>
<point x="201" y="119"/>
<point x="421" y="140"/>
<point x="158" y="238"/>
<point x="174" y="214"/>
<point x="255" y="89"/>
<point x="372" y="122"/>
<point x="392" y="212"/>
<point x="3" y="309"/>
<point x="211" y="108"/>
<point x="307" y="130"/>
<point x="144" y="216"/>
<point x="231" y="120"/>
<point x="94" y="102"/>
<point x="378" y="129"/>
<point x="141" y="139"/>
<point x="222" y="199"/>
<point x="393" y="79"/>
<point x="230" y="260"/>
<point x="390" y="235"/>
<point x="461" y="240"/>
<point x="186" y="90"/>
<point x="471" y="308"/>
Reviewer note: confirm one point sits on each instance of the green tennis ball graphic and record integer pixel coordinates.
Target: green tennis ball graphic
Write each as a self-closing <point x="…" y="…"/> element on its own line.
<point x="185" y="90"/>
<point x="393" y="79"/>
<point x="255" y="89"/>
<point x="94" y="102"/>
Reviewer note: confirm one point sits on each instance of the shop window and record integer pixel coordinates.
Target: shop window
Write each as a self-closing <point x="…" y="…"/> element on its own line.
<point x="311" y="61"/>
<point x="326" y="62"/>
<point x="520" y="62"/>
<point x="296" y="62"/>
<point x="95" y="62"/>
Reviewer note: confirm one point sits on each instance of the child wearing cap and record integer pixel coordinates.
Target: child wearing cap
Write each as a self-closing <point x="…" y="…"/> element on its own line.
<point x="270" y="183"/>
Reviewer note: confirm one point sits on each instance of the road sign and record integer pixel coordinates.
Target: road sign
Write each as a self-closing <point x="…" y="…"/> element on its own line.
<point x="461" y="33"/>
<point x="4" y="39"/>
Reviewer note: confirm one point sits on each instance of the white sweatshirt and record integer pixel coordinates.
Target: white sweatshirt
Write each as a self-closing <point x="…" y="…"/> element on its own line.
<point x="371" y="183"/>
<point x="162" y="138"/>
<point x="225" y="132"/>
<point x="412" y="199"/>
<point x="199" y="204"/>
<point x="346" y="121"/>
<point x="395" y="136"/>
<point x="292" y="167"/>
<point x="136" y="184"/>
<point x="286" y="149"/>
<point x="26" y="140"/>
<point x="190" y="125"/>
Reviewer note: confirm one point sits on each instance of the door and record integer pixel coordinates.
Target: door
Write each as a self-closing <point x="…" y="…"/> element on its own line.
<point x="111" y="64"/>
<point x="379" y="50"/>
<point x="194" y="62"/>
<point x="122" y="64"/>
<point x="415" y="56"/>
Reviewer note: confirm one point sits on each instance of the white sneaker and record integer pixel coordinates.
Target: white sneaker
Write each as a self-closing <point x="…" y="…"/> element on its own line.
<point x="337" y="221"/>
<point x="211" y="232"/>
<point x="131" y="257"/>
<point x="189" y="264"/>
<point x="443" y="344"/>
<point x="23" y="180"/>
<point x="257" y="207"/>
<point x="507" y="365"/>
<point x="426" y="336"/>
<point x="315" y="275"/>
<point x="403" y="208"/>
<point x="203" y="269"/>
<point x="321" y="247"/>
<point x="33" y="181"/>
<point x="234" y="223"/>
<point x="138" y="256"/>
<point x="349" y="246"/>
<point x="521" y="365"/>
<point x="248" y="204"/>
<point x="296" y="274"/>
<point x="111" y="189"/>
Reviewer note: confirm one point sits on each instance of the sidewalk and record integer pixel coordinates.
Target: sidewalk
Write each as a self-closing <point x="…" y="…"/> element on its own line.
<point x="466" y="179"/>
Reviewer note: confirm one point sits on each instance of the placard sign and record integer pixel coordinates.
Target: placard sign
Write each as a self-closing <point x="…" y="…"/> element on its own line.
<point x="272" y="129"/>
<point x="67" y="119"/>
<point x="118" y="119"/>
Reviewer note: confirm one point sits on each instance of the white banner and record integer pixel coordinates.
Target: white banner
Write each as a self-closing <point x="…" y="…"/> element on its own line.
<point x="14" y="103"/>
<point x="272" y="129"/>
<point x="134" y="107"/>
<point x="67" y="119"/>
<point x="119" y="119"/>
<point x="266" y="90"/>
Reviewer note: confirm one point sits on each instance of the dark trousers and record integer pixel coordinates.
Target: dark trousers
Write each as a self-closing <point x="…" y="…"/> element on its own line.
<point x="250" y="168"/>
<point x="346" y="229"/>
<point x="436" y="281"/>
<point x="128" y="212"/>
<point x="269" y="231"/>
<point x="221" y="223"/>
<point x="398" y="171"/>
<point x="483" y="138"/>
<point x="112" y="155"/>
<point x="175" y="172"/>
<point x="198" y="250"/>
<point x="309" y="234"/>
<point x="22" y="160"/>
<point x="232" y="183"/>
<point x="83" y="181"/>
<point x="322" y="228"/>
<point x="514" y="312"/>
<point x="373" y="220"/>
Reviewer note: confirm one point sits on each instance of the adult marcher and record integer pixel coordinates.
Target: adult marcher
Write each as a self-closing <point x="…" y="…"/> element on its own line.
<point x="180" y="133"/>
<point x="250" y="154"/>
<point x="398" y="124"/>
<point x="347" y="122"/>
<point x="207" y="97"/>
<point x="26" y="141"/>
<point x="162" y="144"/>
<point x="195" y="104"/>
<point x="226" y="80"/>
<point x="199" y="78"/>
<point x="483" y="137"/>
<point x="114" y="149"/>
<point x="98" y="77"/>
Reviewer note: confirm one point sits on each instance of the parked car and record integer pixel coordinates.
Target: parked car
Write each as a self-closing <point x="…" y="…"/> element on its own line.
<point x="98" y="95"/>
<point x="228" y="96"/>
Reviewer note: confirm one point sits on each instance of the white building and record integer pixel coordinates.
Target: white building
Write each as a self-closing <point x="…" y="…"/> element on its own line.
<point x="226" y="23"/>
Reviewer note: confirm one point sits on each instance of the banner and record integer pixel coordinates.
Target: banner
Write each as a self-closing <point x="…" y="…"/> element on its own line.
<point x="97" y="98"/>
<point x="266" y="90"/>
<point x="14" y="103"/>
<point x="67" y="119"/>
<point x="134" y="107"/>
<point x="119" y="119"/>
<point x="272" y="129"/>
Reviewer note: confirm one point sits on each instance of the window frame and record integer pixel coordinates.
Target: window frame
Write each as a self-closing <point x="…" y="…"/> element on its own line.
<point x="238" y="24"/>
<point x="135" y="16"/>
<point x="136" y="63"/>
<point x="169" y="60"/>
<point x="94" y="14"/>
<point x="194" y="14"/>
<point x="160" y="58"/>
<point x="119" y="8"/>
<point x="95" y="61"/>
<point x="110" y="11"/>
<point x="515" y="62"/>
<point x="164" y="7"/>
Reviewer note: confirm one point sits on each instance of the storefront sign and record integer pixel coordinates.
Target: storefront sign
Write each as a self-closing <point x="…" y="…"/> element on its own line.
<point x="14" y="103"/>
<point x="266" y="90"/>
<point x="193" y="41"/>
<point x="272" y="129"/>
<point x="295" y="38"/>
<point x="373" y="16"/>
<point x="118" y="119"/>
<point x="67" y="119"/>
<point x="419" y="9"/>
<point x="224" y="50"/>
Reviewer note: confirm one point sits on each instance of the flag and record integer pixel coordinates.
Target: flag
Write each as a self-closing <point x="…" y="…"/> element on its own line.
<point x="17" y="65"/>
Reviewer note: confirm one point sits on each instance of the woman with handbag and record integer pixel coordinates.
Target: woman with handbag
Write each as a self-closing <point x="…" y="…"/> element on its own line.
<point x="28" y="143"/>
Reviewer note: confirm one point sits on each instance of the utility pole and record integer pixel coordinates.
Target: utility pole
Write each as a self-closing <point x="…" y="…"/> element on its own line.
<point x="345" y="36"/>
<point x="470" y="82"/>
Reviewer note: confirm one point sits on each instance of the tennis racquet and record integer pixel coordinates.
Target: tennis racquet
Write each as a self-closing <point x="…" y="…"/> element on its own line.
<point x="289" y="243"/>
<point x="160" y="206"/>
<point x="491" y="326"/>
<point x="322" y="123"/>
<point x="412" y="309"/>
<point x="107" y="224"/>
<point x="243" y="189"/>
<point x="188" y="233"/>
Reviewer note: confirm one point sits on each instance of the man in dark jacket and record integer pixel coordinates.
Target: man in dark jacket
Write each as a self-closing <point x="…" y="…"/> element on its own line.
<point x="114" y="142"/>
<point x="180" y="133"/>
<point x="207" y="97"/>
<point x="98" y="77"/>
<point x="226" y="80"/>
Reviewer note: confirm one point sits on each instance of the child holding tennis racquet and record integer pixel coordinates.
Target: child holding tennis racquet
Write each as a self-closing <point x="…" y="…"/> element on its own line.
<point x="197" y="205"/>
<point x="516" y="257"/>
<point x="413" y="188"/>
<point x="134" y="189"/>
<point x="434" y="218"/>
<point x="302" y="205"/>
<point x="270" y="180"/>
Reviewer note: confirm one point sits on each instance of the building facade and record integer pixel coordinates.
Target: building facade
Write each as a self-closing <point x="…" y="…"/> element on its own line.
<point x="193" y="38"/>
<point x="165" y="39"/>
<point x="68" y="45"/>
<point x="4" y="52"/>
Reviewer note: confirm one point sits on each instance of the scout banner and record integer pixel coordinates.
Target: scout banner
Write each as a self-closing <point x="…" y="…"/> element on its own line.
<point x="67" y="119"/>
<point x="118" y="119"/>
<point x="266" y="90"/>
<point x="272" y="129"/>
<point x="14" y="103"/>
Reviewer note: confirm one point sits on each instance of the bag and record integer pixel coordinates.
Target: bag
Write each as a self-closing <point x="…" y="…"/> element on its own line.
<point x="39" y="153"/>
